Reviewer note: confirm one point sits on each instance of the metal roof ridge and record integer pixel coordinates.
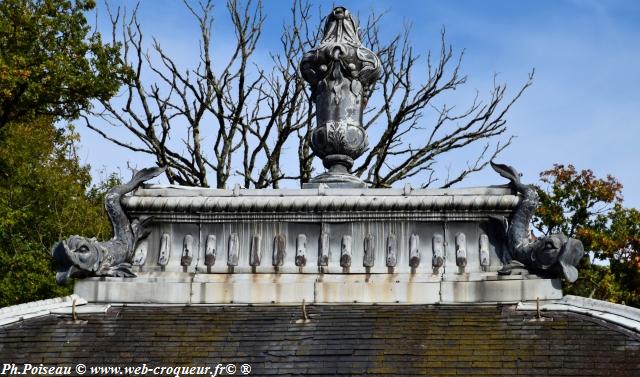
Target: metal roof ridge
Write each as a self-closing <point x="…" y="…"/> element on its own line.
<point x="621" y="315"/>
<point x="39" y="308"/>
<point x="603" y="306"/>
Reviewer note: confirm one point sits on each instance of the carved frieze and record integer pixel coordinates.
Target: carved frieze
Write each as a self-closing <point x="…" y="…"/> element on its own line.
<point x="392" y="250"/>
<point x="279" y="250"/>
<point x="233" y="252"/>
<point x="438" y="251"/>
<point x="210" y="250"/>
<point x="414" y="251"/>
<point x="187" y="251"/>
<point x="345" y="251"/>
<point x="165" y="249"/>
<point x="301" y="250"/>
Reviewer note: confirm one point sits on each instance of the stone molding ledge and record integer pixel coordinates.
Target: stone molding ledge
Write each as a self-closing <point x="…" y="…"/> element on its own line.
<point x="171" y="204"/>
<point x="185" y="288"/>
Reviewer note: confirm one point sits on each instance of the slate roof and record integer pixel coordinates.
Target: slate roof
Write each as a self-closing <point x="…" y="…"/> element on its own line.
<point x="339" y="340"/>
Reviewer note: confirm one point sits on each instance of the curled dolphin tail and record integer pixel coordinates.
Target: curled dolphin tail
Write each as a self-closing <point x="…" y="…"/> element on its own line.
<point x="518" y="231"/>
<point x="138" y="178"/>
<point x="511" y="174"/>
<point x="121" y="226"/>
<point x="555" y="252"/>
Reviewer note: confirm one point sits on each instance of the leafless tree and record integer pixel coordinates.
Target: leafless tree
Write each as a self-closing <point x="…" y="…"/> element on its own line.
<point x="239" y="118"/>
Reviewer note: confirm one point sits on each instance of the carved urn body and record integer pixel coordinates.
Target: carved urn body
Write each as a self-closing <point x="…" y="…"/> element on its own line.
<point x="341" y="72"/>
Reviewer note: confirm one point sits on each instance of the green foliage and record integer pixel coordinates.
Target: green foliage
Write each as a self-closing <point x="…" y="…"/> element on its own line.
<point x="50" y="64"/>
<point x="45" y="195"/>
<point x="590" y="209"/>
<point x="51" y="67"/>
<point x="27" y="275"/>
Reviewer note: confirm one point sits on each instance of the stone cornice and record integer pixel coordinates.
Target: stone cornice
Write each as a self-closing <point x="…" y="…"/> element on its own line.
<point x="210" y="205"/>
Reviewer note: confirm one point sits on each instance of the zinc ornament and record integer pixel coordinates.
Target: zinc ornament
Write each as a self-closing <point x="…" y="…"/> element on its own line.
<point x="341" y="73"/>
<point x="554" y="255"/>
<point x="80" y="256"/>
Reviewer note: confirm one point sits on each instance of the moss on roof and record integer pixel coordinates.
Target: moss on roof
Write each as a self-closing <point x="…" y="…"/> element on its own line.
<point x="339" y="340"/>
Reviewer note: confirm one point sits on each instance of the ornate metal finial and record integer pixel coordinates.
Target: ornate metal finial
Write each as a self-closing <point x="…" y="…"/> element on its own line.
<point x="341" y="72"/>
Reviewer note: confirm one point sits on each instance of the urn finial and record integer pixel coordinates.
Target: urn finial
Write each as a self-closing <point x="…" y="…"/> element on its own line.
<point x="341" y="73"/>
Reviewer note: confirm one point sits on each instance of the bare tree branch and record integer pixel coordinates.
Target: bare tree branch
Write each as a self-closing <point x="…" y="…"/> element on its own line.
<point x="237" y="116"/>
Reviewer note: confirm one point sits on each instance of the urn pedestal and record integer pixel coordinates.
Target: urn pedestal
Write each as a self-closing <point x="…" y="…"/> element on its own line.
<point x="338" y="144"/>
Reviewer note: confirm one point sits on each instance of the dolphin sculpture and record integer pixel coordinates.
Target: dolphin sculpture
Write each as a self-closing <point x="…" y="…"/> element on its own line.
<point x="554" y="254"/>
<point x="80" y="256"/>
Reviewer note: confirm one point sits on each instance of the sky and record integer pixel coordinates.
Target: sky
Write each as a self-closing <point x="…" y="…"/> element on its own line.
<point x="582" y="108"/>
